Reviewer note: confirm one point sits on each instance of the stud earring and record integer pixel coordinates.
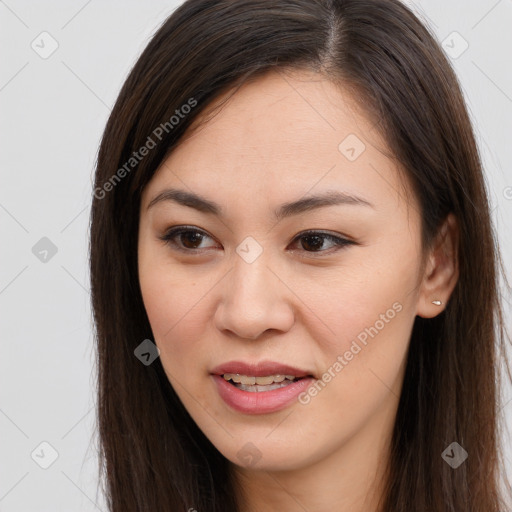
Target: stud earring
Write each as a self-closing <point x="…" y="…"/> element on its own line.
<point x="437" y="302"/>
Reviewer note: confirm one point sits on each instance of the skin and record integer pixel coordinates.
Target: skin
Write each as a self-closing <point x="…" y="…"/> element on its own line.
<point x="275" y="141"/>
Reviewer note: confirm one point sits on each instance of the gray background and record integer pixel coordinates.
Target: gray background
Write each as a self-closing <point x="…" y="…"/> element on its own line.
<point x="53" y="113"/>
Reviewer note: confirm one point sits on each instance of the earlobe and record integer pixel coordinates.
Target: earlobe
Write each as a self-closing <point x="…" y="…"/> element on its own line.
<point x="441" y="272"/>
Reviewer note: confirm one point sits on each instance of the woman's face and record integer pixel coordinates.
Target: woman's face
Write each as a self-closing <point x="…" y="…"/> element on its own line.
<point x="244" y="289"/>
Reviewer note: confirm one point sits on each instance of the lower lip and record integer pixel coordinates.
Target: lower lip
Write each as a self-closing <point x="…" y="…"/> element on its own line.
<point x="260" y="402"/>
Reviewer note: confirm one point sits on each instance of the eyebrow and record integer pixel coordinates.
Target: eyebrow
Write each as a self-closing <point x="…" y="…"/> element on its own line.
<point x="329" y="198"/>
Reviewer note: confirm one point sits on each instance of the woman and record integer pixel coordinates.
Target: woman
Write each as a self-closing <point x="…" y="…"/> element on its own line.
<point x="294" y="272"/>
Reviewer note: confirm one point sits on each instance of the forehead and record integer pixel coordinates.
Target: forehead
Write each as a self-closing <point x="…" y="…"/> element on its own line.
<point x="278" y="137"/>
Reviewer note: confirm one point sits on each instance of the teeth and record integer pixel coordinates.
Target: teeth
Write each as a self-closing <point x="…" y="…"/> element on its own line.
<point x="256" y="388"/>
<point x="262" y="381"/>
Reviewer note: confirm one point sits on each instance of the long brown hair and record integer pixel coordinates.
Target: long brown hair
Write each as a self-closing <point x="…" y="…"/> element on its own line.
<point x="153" y="455"/>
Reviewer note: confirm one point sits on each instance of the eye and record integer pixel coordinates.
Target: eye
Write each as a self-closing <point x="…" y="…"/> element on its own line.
<point x="189" y="239"/>
<point x="185" y="238"/>
<point x="313" y="241"/>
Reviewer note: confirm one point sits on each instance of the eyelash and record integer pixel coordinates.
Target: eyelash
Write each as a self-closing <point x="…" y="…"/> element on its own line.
<point x="171" y="234"/>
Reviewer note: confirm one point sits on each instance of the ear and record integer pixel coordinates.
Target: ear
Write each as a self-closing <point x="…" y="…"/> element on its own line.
<point x="441" y="270"/>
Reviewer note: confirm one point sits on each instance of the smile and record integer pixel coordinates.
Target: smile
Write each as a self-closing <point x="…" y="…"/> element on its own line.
<point x="254" y="384"/>
<point x="260" y="399"/>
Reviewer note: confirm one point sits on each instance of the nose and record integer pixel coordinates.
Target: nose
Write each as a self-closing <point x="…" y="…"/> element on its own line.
<point x="254" y="300"/>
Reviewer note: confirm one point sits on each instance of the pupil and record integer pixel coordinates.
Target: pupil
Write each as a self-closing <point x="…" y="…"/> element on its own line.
<point x="316" y="244"/>
<point x="191" y="238"/>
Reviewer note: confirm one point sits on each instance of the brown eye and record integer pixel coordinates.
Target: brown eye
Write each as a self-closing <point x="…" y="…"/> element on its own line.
<point x="190" y="239"/>
<point x="185" y="239"/>
<point x="314" y="241"/>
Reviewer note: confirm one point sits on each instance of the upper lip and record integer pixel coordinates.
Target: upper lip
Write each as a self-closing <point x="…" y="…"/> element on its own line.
<point x="261" y="369"/>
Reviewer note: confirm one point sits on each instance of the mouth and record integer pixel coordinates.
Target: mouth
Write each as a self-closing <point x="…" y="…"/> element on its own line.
<point x="260" y="388"/>
<point x="255" y="384"/>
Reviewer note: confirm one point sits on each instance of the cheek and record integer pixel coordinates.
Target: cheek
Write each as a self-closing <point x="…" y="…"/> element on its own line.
<point x="370" y="311"/>
<point x="175" y="300"/>
<point x="362" y="376"/>
<point x="368" y="299"/>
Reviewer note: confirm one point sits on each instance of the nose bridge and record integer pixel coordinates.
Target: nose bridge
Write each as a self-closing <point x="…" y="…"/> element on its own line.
<point x="254" y="299"/>
<point x="252" y="282"/>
